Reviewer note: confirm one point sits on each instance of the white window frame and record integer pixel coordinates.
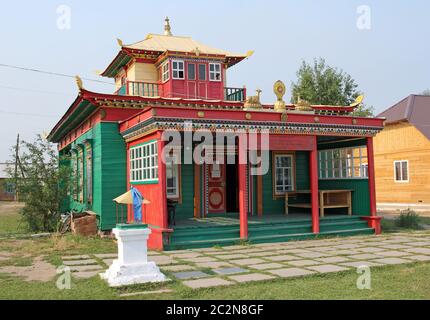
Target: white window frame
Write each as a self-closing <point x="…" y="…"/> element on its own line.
<point x="174" y="162"/>
<point x="291" y="170"/>
<point x="144" y="163"/>
<point x="342" y="167"/>
<point x="165" y="72"/>
<point x="212" y="74"/>
<point x="178" y="69"/>
<point x="401" y="171"/>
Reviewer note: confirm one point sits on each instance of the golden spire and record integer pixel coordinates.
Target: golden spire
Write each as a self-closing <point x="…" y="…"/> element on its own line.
<point x="167" y="31"/>
<point x="358" y="101"/>
<point x="279" y="90"/>
<point x="79" y="82"/>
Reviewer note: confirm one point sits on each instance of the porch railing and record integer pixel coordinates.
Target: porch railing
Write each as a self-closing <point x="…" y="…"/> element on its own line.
<point x="143" y="89"/>
<point x="234" y="94"/>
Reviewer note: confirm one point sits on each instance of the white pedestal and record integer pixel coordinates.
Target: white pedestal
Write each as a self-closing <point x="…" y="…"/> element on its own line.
<point x="132" y="266"/>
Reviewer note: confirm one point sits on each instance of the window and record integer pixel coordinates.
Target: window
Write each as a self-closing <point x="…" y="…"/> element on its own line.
<point x="75" y="181"/>
<point x="9" y="188"/>
<point x="165" y="75"/>
<point x="343" y="163"/>
<point x="178" y="69"/>
<point x="89" y="173"/>
<point x="283" y="173"/>
<point x="191" y="71"/>
<point x="401" y="171"/>
<point x="144" y="163"/>
<point x="81" y="176"/>
<point x="214" y="71"/>
<point x="202" y="72"/>
<point x="172" y="177"/>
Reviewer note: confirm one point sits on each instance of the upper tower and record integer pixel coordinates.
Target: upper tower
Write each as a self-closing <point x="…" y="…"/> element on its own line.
<point x="174" y="67"/>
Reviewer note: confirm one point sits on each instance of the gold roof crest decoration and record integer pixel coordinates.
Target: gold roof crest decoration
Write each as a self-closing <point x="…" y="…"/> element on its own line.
<point x="279" y="89"/>
<point x="302" y="105"/>
<point x="358" y="101"/>
<point x="79" y="82"/>
<point x="253" y="102"/>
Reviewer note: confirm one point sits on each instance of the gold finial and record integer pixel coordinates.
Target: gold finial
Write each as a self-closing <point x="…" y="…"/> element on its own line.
<point x="249" y="53"/>
<point x="167" y="31"/>
<point x="302" y="105"/>
<point x="358" y="101"/>
<point x="253" y="102"/>
<point x="120" y="43"/>
<point x="197" y="51"/>
<point x="79" y="82"/>
<point x="279" y="90"/>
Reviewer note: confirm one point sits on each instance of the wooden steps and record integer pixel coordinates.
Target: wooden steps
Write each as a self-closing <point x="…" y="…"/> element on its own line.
<point x="265" y="231"/>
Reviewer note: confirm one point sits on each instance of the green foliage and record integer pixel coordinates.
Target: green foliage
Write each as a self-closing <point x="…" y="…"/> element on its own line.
<point x="41" y="182"/>
<point x="324" y="85"/>
<point x="408" y="219"/>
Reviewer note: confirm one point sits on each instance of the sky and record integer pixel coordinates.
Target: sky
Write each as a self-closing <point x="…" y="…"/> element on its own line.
<point x="384" y="45"/>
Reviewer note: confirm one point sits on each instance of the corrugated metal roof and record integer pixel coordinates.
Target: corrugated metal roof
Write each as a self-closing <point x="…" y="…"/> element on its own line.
<point x="157" y="42"/>
<point x="415" y="109"/>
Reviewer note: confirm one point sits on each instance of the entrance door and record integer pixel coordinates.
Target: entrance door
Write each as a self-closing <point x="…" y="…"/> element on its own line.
<point x="216" y="188"/>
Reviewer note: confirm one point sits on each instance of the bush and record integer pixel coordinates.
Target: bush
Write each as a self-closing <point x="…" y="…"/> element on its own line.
<point x="408" y="219"/>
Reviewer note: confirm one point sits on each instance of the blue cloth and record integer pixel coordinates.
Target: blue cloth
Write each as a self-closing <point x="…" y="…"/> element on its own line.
<point x="137" y="204"/>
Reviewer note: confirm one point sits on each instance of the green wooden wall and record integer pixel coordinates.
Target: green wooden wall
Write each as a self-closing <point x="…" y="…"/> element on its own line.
<point x="186" y="208"/>
<point x="360" y="195"/>
<point x="277" y="206"/>
<point x="109" y="172"/>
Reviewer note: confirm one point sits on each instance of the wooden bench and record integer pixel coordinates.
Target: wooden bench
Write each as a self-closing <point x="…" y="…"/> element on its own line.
<point x="328" y="199"/>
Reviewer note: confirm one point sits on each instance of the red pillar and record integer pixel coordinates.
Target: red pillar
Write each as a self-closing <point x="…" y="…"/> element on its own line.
<point x="313" y="171"/>
<point x="371" y="174"/>
<point x="162" y="183"/>
<point x="373" y="221"/>
<point x="243" y="199"/>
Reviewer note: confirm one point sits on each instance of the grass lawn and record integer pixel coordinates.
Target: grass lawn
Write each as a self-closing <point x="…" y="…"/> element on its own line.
<point x="408" y="281"/>
<point x="10" y="220"/>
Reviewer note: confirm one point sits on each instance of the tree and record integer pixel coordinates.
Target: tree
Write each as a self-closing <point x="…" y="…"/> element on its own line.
<point x="324" y="85"/>
<point x="426" y="92"/>
<point x="42" y="183"/>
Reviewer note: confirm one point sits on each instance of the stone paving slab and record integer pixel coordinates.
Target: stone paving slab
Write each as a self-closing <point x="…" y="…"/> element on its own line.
<point x="264" y="253"/>
<point x="86" y="274"/>
<point x="251" y="277"/>
<point x="395" y="246"/>
<point x="227" y="271"/>
<point x="347" y="252"/>
<point x="161" y="260"/>
<point x="333" y="259"/>
<point x="357" y="264"/>
<point x="243" y="262"/>
<point x="364" y="256"/>
<point x="419" y="257"/>
<point x="79" y="262"/>
<point x="106" y="255"/>
<point x="190" y="275"/>
<point x="392" y="253"/>
<point x="419" y="250"/>
<point x="370" y="249"/>
<point x="131" y="294"/>
<point x="391" y="261"/>
<point x="207" y="283"/>
<point x="185" y="255"/>
<point x="348" y="246"/>
<point x="178" y="267"/>
<point x="200" y="259"/>
<point x="282" y="258"/>
<point x="86" y="268"/>
<point x="232" y="256"/>
<point x="312" y="254"/>
<point x="326" y="268"/>
<point x="108" y="261"/>
<point x="213" y="264"/>
<point x="266" y="266"/>
<point x="77" y="257"/>
<point x="302" y="263"/>
<point x="291" y="272"/>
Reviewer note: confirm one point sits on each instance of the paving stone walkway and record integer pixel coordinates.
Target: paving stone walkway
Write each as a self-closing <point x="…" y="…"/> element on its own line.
<point x="224" y="266"/>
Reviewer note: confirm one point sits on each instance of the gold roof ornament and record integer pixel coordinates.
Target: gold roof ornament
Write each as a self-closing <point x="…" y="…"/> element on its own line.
<point x="167" y="30"/>
<point x="302" y="105"/>
<point x="253" y="102"/>
<point x="79" y="82"/>
<point x="358" y="101"/>
<point x="279" y="89"/>
<point x="120" y="43"/>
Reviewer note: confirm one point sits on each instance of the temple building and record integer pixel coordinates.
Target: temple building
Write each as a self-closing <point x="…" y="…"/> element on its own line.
<point x="279" y="172"/>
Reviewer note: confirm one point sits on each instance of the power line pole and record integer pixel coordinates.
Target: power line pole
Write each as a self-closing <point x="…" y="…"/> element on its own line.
<point x="16" y="167"/>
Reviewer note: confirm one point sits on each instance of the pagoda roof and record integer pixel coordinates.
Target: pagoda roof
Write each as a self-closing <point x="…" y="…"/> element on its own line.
<point x="155" y="45"/>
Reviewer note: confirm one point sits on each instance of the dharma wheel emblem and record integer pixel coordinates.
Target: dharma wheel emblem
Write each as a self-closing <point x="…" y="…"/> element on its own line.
<point x="279" y="90"/>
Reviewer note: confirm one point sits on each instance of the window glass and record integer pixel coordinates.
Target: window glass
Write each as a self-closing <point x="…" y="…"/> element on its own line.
<point x="144" y="163"/>
<point x="215" y="71"/>
<point x="283" y="173"/>
<point x="178" y="69"/>
<point x="343" y="163"/>
<point x="165" y="72"/>
<point x="202" y="72"/>
<point x="191" y="71"/>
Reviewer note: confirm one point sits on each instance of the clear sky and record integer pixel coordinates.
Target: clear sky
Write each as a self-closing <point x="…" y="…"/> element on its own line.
<point x="389" y="61"/>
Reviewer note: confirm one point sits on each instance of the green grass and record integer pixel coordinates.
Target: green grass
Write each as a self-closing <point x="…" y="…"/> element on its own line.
<point x="388" y="282"/>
